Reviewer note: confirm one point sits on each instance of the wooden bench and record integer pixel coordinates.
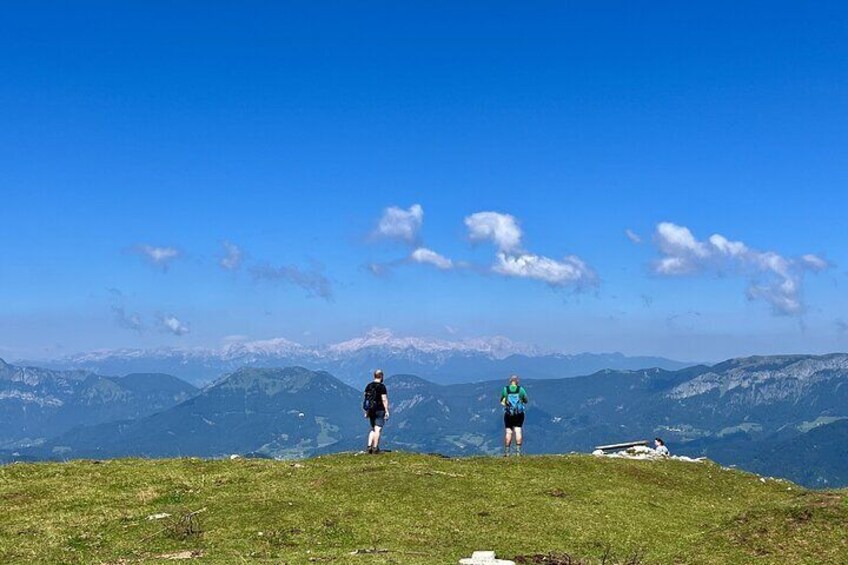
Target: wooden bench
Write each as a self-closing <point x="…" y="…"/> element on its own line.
<point x="620" y="446"/>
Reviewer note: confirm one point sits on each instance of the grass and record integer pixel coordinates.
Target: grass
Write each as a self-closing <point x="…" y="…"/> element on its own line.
<point x="412" y="509"/>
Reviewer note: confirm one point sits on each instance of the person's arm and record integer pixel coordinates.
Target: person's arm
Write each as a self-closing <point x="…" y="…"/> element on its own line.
<point x="523" y="395"/>
<point x="503" y="396"/>
<point x="386" y="404"/>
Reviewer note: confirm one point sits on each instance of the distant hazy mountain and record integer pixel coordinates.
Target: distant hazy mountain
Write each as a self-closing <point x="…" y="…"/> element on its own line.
<point x="290" y="412"/>
<point x="39" y="403"/>
<point x="818" y="457"/>
<point x="440" y="361"/>
<point x="780" y="415"/>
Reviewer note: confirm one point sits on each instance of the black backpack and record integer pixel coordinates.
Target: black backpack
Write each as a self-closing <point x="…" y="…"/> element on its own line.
<point x="369" y="401"/>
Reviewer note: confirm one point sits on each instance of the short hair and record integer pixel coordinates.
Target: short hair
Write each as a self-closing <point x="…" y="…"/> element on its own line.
<point x="659" y="440"/>
<point x="378" y="373"/>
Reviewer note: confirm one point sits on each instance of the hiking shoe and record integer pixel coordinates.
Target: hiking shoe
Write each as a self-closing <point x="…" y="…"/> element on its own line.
<point x="376" y="451"/>
<point x="370" y="450"/>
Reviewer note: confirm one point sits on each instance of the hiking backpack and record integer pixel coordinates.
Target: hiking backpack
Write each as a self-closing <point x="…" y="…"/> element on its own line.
<point x="369" y="400"/>
<point x="514" y="404"/>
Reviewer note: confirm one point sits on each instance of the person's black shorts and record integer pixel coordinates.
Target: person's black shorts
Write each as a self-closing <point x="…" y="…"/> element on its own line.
<point x="377" y="418"/>
<point x="514" y="420"/>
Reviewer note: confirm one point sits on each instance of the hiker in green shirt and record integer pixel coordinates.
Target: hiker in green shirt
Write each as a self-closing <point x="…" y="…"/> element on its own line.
<point x="513" y="399"/>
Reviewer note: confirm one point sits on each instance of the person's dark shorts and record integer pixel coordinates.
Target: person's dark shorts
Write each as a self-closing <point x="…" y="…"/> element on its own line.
<point x="377" y="418"/>
<point x="514" y="420"/>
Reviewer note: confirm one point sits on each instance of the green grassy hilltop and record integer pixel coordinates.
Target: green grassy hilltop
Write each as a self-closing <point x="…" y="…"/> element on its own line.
<point x="412" y="509"/>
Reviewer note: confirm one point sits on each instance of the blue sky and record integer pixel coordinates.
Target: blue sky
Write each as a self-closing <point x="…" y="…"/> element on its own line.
<point x="144" y="131"/>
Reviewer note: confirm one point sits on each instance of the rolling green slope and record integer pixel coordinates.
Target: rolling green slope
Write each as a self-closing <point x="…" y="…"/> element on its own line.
<point x="412" y="509"/>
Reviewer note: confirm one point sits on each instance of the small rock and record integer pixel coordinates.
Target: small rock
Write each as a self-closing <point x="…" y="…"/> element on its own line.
<point x="160" y="516"/>
<point x="484" y="558"/>
<point x="235" y="456"/>
<point x="181" y="555"/>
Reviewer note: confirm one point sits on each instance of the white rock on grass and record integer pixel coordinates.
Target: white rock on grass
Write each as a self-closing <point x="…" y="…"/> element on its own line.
<point x="484" y="558"/>
<point x="644" y="453"/>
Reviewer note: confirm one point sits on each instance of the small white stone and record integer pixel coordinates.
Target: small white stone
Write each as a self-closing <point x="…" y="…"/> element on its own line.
<point x="484" y="558"/>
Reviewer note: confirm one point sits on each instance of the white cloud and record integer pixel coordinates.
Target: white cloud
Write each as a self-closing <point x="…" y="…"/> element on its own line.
<point x="632" y="236"/>
<point x="172" y="324"/>
<point x="502" y="229"/>
<point x="158" y="256"/>
<point x="312" y="280"/>
<point x="404" y="225"/>
<point x="378" y="269"/>
<point x="571" y="270"/>
<point x="231" y="261"/>
<point x="814" y="262"/>
<point x="679" y="242"/>
<point x="428" y="256"/>
<point x="513" y="261"/>
<point x="673" y="266"/>
<point x="397" y="223"/>
<point x="728" y="248"/>
<point x="773" y="278"/>
<point x="127" y="320"/>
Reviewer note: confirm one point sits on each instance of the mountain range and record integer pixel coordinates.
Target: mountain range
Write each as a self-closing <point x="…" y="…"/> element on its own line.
<point x="779" y="415"/>
<point x="38" y="403"/>
<point x="352" y="361"/>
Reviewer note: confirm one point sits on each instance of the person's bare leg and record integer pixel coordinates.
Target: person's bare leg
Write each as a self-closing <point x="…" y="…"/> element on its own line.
<point x="519" y="440"/>
<point x="507" y="441"/>
<point x="371" y="438"/>
<point x="376" y="432"/>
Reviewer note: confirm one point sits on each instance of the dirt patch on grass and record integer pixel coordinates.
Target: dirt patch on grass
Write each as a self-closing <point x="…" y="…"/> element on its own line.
<point x="787" y="528"/>
<point x="15" y="497"/>
<point x="566" y="559"/>
<point x="178" y="555"/>
<point x="147" y="494"/>
<point x="549" y="559"/>
<point x="821" y="499"/>
<point x="370" y="470"/>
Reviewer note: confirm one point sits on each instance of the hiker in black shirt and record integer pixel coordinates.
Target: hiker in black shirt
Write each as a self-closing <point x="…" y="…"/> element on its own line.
<point x="376" y="409"/>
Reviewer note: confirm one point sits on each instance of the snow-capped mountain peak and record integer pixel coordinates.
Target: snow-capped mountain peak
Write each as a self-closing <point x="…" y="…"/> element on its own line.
<point x="278" y="346"/>
<point x="497" y="347"/>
